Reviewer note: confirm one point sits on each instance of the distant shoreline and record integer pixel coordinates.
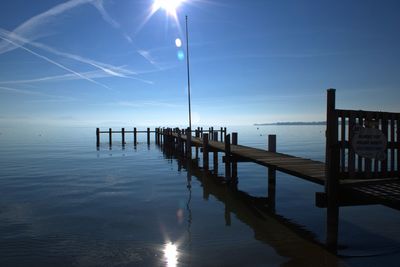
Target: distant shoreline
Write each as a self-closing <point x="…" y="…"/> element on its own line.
<point x="292" y="123"/>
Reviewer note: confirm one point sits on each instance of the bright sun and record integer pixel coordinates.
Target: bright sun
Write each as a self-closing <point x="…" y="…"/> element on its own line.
<point x="169" y="6"/>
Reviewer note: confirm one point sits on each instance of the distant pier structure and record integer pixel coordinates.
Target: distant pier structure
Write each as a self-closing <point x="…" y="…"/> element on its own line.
<point x="361" y="166"/>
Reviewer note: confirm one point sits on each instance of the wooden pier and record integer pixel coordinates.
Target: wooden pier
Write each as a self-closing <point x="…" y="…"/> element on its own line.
<point x="362" y="159"/>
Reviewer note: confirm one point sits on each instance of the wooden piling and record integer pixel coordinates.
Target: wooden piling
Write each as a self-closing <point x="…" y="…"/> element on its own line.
<point x="227" y="156"/>
<point x="332" y="182"/>
<point x="234" y="163"/>
<point x="205" y="151"/>
<point x="134" y="136"/>
<point x="189" y="143"/>
<point x="97" y="137"/>
<point x="123" y="136"/>
<point x="109" y="136"/>
<point x="148" y="136"/>
<point x="222" y="134"/>
<point x="271" y="174"/>
<point x="215" y="136"/>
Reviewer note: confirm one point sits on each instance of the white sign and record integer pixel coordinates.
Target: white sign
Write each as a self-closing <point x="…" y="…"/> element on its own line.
<point x="369" y="143"/>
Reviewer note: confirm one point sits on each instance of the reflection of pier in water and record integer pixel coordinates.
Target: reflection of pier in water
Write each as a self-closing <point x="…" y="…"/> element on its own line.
<point x="289" y="239"/>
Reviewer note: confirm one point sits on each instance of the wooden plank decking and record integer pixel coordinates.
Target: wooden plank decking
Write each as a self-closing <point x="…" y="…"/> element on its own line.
<point x="380" y="191"/>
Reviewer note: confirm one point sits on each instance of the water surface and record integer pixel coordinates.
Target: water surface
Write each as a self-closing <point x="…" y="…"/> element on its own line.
<point x="65" y="203"/>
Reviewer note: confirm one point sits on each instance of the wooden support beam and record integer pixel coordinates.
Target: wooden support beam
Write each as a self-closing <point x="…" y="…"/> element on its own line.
<point x="227" y="156"/>
<point x="109" y="136"/>
<point x="215" y="161"/>
<point x="134" y="136"/>
<point x="234" y="163"/>
<point x="332" y="182"/>
<point x="97" y="137"/>
<point x="271" y="174"/>
<point x="189" y="142"/>
<point x="215" y="136"/>
<point x="123" y="136"/>
<point x="148" y="136"/>
<point x="205" y="151"/>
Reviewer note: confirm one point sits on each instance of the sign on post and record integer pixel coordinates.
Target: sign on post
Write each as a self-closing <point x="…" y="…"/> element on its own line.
<point x="369" y="143"/>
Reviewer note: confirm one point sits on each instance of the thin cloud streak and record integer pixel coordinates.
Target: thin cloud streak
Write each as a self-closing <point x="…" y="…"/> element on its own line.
<point x="141" y="104"/>
<point x="27" y="92"/>
<point x="107" y="68"/>
<point x="56" y="63"/>
<point x="66" y="77"/>
<point x="30" y="28"/>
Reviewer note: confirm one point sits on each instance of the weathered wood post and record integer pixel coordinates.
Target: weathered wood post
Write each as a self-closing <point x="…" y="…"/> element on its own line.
<point x="109" y="136"/>
<point x="271" y="174"/>
<point x="134" y="136"/>
<point x="97" y="137"/>
<point x="215" y="136"/>
<point x="234" y="163"/>
<point x="155" y="135"/>
<point x="222" y="134"/>
<point x="205" y="151"/>
<point x="189" y="142"/>
<point x="148" y="136"/>
<point x="123" y="136"/>
<point x="211" y="133"/>
<point x="227" y="156"/>
<point x="332" y="171"/>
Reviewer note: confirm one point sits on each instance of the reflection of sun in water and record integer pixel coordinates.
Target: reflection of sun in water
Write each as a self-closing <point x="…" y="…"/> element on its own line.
<point x="171" y="254"/>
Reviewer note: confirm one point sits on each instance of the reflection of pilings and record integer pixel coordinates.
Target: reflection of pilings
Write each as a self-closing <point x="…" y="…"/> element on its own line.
<point x="289" y="239"/>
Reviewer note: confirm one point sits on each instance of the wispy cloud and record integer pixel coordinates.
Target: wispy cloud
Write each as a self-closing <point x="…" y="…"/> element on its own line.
<point x="140" y="104"/>
<point x="108" y="69"/>
<point x="54" y="62"/>
<point x="147" y="55"/>
<point x="32" y="28"/>
<point x="35" y="93"/>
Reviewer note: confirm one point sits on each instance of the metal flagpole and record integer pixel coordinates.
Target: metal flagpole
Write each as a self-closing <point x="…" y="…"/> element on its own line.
<point x="188" y="73"/>
<point x="189" y="133"/>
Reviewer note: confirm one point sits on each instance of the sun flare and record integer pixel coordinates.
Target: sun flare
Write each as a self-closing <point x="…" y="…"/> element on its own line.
<point x="169" y="6"/>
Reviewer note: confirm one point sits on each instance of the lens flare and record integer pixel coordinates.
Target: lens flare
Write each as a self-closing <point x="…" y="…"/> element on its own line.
<point x="181" y="55"/>
<point x="178" y="42"/>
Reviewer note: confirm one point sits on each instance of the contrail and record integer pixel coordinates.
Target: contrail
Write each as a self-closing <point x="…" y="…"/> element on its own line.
<point x="55" y="63"/>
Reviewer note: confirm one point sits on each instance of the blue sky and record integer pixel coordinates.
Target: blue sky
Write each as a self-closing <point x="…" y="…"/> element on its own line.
<point x="109" y="62"/>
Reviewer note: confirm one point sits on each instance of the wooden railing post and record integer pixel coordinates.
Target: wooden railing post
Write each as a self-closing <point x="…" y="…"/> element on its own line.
<point x="332" y="173"/>
<point x="109" y="136"/>
<point x="271" y="174"/>
<point x="227" y="156"/>
<point x="205" y="151"/>
<point x="97" y="137"/>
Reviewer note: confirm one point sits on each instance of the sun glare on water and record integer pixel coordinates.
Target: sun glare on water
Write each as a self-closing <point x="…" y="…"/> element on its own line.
<point x="171" y="254"/>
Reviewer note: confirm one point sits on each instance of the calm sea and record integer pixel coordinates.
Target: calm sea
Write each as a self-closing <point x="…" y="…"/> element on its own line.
<point x="65" y="203"/>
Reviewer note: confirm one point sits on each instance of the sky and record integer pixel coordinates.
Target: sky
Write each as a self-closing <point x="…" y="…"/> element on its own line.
<point x="116" y="62"/>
